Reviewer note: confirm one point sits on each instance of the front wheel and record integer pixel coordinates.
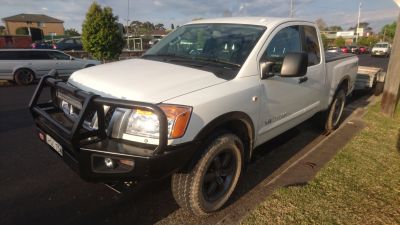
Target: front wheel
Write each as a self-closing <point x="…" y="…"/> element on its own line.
<point x="210" y="184"/>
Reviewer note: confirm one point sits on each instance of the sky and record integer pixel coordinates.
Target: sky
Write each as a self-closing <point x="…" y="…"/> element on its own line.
<point x="334" y="12"/>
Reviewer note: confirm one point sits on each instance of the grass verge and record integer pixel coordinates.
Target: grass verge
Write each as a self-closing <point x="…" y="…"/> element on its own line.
<point x="361" y="185"/>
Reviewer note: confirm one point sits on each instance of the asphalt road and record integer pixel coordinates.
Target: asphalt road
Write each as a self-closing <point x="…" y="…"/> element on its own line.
<point x="36" y="187"/>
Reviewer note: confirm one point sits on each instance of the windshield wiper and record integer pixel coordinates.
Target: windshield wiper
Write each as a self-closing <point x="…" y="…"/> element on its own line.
<point x="219" y="61"/>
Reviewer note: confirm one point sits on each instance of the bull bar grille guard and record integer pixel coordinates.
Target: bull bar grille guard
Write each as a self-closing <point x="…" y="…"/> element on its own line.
<point x="90" y="103"/>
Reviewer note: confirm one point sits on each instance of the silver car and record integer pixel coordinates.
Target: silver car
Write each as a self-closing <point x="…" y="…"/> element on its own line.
<point x="25" y="65"/>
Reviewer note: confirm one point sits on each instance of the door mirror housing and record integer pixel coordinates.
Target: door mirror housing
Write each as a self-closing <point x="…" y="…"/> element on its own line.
<point x="294" y="64"/>
<point x="71" y="58"/>
<point x="266" y="70"/>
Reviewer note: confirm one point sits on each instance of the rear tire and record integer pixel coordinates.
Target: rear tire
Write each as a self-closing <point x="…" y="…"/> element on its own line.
<point x="211" y="182"/>
<point x="330" y="119"/>
<point x="335" y="111"/>
<point x="24" y="76"/>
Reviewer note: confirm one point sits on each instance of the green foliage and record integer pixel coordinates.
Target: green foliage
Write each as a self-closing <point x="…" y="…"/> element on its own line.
<point x="324" y="41"/>
<point x="101" y="36"/>
<point x="367" y="41"/>
<point x="2" y="30"/>
<point x="138" y="28"/>
<point x="339" y="42"/>
<point x="71" y="32"/>
<point x="389" y="30"/>
<point x="334" y="28"/>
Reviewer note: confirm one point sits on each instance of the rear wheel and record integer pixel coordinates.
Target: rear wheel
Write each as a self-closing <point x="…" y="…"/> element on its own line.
<point x="24" y="76"/>
<point x="335" y="112"/>
<point x="210" y="184"/>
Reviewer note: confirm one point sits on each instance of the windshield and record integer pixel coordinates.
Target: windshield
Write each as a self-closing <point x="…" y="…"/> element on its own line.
<point x="225" y="45"/>
<point x="381" y="45"/>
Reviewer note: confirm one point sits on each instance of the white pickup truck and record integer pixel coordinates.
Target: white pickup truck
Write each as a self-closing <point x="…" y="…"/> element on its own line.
<point x="195" y="105"/>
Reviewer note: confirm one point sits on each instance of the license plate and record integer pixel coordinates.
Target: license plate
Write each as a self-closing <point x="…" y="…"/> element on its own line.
<point x="54" y="144"/>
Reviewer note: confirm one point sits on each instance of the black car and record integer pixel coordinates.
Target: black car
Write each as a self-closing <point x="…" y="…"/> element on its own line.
<point x="354" y="49"/>
<point x="66" y="44"/>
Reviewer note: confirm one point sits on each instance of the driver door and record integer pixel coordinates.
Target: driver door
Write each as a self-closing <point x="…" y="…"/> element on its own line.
<point x="286" y="101"/>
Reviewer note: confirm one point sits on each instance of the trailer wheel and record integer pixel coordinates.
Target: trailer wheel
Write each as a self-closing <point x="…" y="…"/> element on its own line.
<point x="211" y="182"/>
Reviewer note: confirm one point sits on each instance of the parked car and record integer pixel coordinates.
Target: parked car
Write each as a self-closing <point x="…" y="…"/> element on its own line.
<point x="42" y="45"/>
<point x="66" y="44"/>
<point x="381" y="49"/>
<point x="195" y="113"/>
<point x="334" y="49"/>
<point x="363" y="50"/>
<point x="354" y="49"/>
<point x="154" y="41"/>
<point x="25" y="65"/>
<point x="345" y="49"/>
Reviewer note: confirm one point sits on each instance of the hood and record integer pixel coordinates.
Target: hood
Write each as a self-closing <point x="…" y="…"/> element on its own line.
<point x="142" y="80"/>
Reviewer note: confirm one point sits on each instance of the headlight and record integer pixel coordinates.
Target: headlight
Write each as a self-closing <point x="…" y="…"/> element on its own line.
<point x="146" y="123"/>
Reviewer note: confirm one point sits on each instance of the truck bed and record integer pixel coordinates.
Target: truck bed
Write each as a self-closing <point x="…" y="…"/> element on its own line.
<point x="333" y="56"/>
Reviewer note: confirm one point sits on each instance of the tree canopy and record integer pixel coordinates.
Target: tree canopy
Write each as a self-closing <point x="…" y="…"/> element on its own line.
<point x="339" y="42"/>
<point x="144" y="28"/>
<point x="389" y="30"/>
<point x="2" y="29"/>
<point x="101" y="35"/>
<point x="72" y="32"/>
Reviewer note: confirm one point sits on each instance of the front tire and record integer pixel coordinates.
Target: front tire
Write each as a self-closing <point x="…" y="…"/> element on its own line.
<point x="211" y="182"/>
<point x="24" y="76"/>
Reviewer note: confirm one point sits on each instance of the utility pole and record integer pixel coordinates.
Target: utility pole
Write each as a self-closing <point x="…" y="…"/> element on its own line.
<point x="391" y="96"/>
<point x="358" y="21"/>
<point x="291" y="8"/>
<point x="127" y="29"/>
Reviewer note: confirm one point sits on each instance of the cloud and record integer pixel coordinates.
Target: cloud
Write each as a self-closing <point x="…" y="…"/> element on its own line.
<point x="179" y="12"/>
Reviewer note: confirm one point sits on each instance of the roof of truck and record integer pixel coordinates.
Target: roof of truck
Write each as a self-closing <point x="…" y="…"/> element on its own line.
<point x="261" y="21"/>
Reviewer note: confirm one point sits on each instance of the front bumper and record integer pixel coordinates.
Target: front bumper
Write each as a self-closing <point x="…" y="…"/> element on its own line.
<point x="86" y="150"/>
<point x="379" y="53"/>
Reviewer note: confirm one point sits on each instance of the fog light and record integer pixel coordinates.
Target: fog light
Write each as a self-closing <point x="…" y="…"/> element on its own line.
<point x="109" y="163"/>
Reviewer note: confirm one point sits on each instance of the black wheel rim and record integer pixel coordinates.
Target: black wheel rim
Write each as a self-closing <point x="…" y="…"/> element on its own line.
<point x="219" y="175"/>
<point x="338" y="109"/>
<point x="25" y="76"/>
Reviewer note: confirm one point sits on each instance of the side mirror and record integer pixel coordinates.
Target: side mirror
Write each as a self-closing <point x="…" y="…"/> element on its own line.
<point x="266" y="70"/>
<point x="294" y="64"/>
<point x="71" y="58"/>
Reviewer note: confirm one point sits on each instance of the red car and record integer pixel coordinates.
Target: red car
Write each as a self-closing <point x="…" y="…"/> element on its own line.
<point x="345" y="49"/>
<point x="363" y="50"/>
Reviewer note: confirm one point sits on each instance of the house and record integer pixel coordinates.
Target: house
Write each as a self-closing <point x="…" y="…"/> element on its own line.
<point x="33" y="25"/>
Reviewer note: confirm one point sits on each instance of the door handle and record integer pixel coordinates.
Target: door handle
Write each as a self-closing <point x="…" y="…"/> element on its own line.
<point x="303" y="79"/>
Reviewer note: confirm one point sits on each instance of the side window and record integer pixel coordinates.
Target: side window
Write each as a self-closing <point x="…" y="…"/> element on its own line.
<point x="7" y="55"/>
<point x="57" y="55"/>
<point x="286" y="40"/>
<point x="312" y="45"/>
<point x="36" y="55"/>
<point x="69" y="41"/>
